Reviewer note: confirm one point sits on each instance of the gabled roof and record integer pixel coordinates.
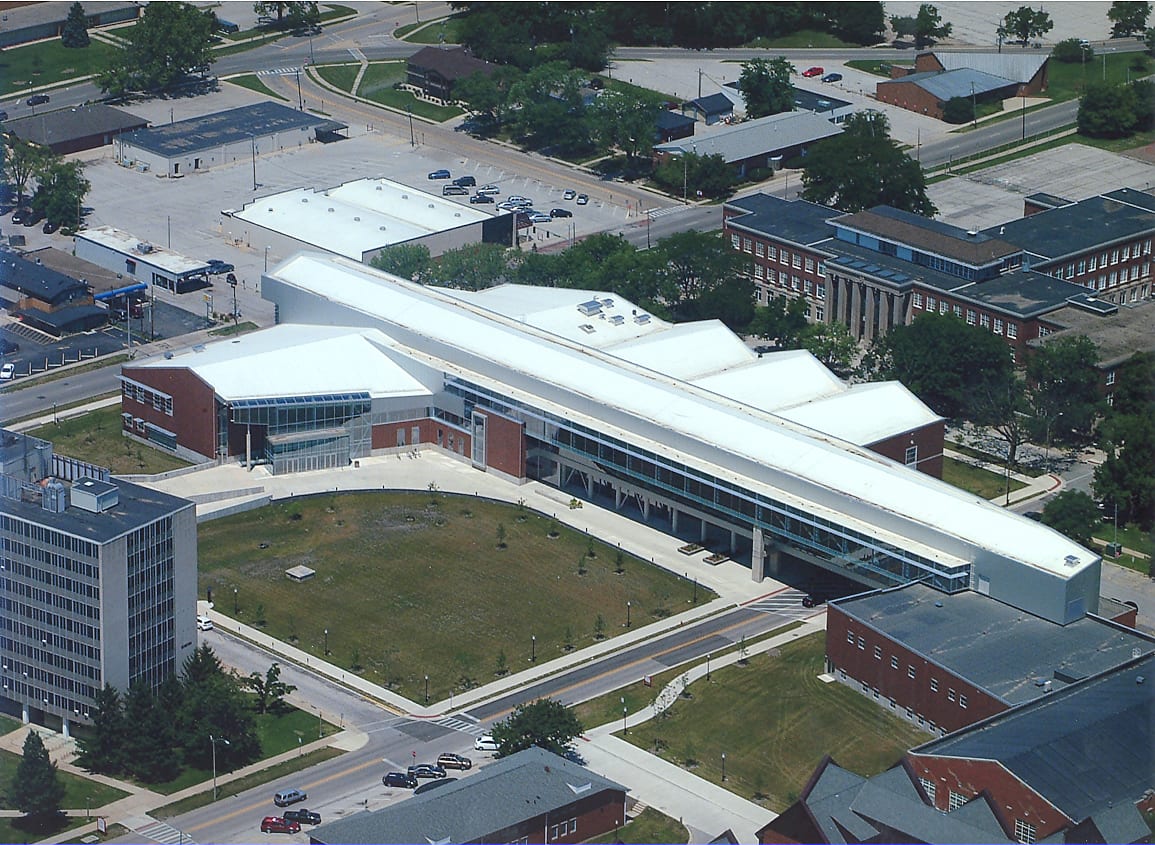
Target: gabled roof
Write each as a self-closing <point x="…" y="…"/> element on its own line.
<point x="503" y="793"/>
<point x="56" y="127"/>
<point x="713" y="104"/>
<point x="757" y="137"/>
<point x="1017" y="65"/>
<point x="1085" y="748"/>
<point x="453" y="64"/>
<point x="947" y="84"/>
<point x="932" y="236"/>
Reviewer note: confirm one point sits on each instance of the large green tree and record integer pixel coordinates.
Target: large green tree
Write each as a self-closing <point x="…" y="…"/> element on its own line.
<point x="215" y="705"/>
<point x="269" y="689"/>
<point x="946" y="363"/>
<point x="865" y="167"/>
<point x="928" y="26"/>
<point x="60" y="191"/>
<point x="169" y="41"/>
<point x="409" y="261"/>
<point x="1128" y="17"/>
<point x="766" y="87"/>
<point x="627" y="119"/>
<point x="545" y="723"/>
<point x="22" y="161"/>
<point x="1064" y="389"/>
<point x="782" y="320"/>
<point x="150" y="746"/>
<point x="692" y="175"/>
<point x="832" y="344"/>
<point x="1106" y="110"/>
<point x="1023" y="24"/>
<point x="1127" y="477"/>
<point x="694" y="264"/>
<point x="36" y="790"/>
<point x="102" y="748"/>
<point x="472" y="267"/>
<point x="1073" y="513"/>
<point x="74" y="34"/>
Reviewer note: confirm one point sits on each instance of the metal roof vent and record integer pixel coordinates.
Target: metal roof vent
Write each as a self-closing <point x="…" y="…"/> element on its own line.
<point x="304" y="199"/>
<point x="1140" y="679"/>
<point x="1136" y="651"/>
<point x="378" y="187"/>
<point x="330" y="209"/>
<point x="937" y="603"/>
<point x="1071" y="560"/>
<point x="357" y="219"/>
<point x="270" y="209"/>
<point x="405" y="196"/>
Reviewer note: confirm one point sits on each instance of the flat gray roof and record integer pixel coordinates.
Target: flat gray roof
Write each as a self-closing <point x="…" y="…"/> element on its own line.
<point x="1082" y="226"/>
<point x="999" y="648"/>
<point x="63" y="125"/>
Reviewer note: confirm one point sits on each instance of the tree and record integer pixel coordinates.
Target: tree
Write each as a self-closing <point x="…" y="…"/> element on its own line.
<point x="36" y="790"/>
<point x="1072" y="51"/>
<point x="1128" y="17"/>
<point x="1149" y="41"/>
<point x="545" y="723"/>
<point x="102" y="749"/>
<point x="1127" y="477"/>
<point x="150" y="742"/>
<point x="782" y="321"/>
<point x="472" y="267"/>
<point x="1064" y="389"/>
<point x="1073" y="513"/>
<point x="60" y="191"/>
<point x="859" y="23"/>
<point x="409" y="261"/>
<point x="301" y="15"/>
<point x="74" y="35"/>
<point x="928" y="26"/>
<point x="945" y="363"/>
<point x="694" y="175"/>
<point x="958" y="110"/>
<point x="22" y="161"/>
<point x="1001" y="404"/>
<point x="1023" y="24"/>
<point x="695" y="263"/>
<point x="766" y="87"/>
<point x="269" y="689"/>
<point x="1106" y="110"/>
<point x="832" y="344"/>
<point x="169" y="41"/>
<point x="864" y="167"/>
<point x="627" y="119"/>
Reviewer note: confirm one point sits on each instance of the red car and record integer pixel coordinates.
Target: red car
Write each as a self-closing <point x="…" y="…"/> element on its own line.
<point x="813" y="71"/>
<point x="276" y="824"/>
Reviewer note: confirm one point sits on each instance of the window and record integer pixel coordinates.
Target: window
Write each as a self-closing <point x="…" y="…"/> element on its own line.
<point x="878" y="652"/>
<point x="1103" y="260"/>
<point x="1110" y="377"/>
<point x="916" y="300"/>
<point x="910" y="672"/>
<point x="819" y="290"/>
<point x="861" y="643"/>
<point x="1012" y="331"/>
<point x="850" y="637"/>
<point x="934" y="684"/>
<point x="984" y="321"/>
<point x="759" y="249"/>
<point x="1126" y="252"/>
<point x="930" y="303"/>
<point x="795" y="283"/>
<point x="1092" y="263"/>
<point x="796" y="261"/>
<point x="747" y="245"/>
<point x="820" y="314"/>
<point x="784" y="257"/>
<point x="758" y="271"/>
<point x="1044" y="331"/>
<point x="972" y="317"/>
<point x="1114" y="256"/>
<point x="927" y="787"/>
<point x="807" y="286"/>
<point x="771" y="252"/>
<point x="1070" y="271"/>
<point x="962" y="702"/>
<point x="911" y="457"/>
<point x="998" y="329"/>
<point x="735" y="242"/>
<point x="1024" y="832"/>
<point x="958" y="310"/>
<point x="894" y="663"/>
<point x="573" y="825"/>
<point x="956" y="800"/>
<point x="821" y="269"/>
<point x="943" y="306"/>
<point x="809" y="265"/>
<point x="1113" y="278"/>
<point x="950" y="695"/>
<point x="1082" y="266"/>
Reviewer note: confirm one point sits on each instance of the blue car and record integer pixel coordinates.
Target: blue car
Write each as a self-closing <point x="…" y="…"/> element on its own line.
<point x="832" y="77"/>
<point x="439" y="174"/>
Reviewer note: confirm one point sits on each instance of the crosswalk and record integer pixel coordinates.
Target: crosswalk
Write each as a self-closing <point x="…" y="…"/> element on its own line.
<point x="279" y="71"/>
<point x="453" y="723"/>
<point x="161" y="832"/>
<point x="787" y="603"/>
<point x="669" y="209"/>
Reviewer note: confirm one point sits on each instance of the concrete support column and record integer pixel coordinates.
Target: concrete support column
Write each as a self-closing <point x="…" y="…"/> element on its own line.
<point x="870" y="303"/>
<point x="855" y="321"/>
<point x="248" y="446"/>
<point x="646" y="509"/>
<point x="702" y="533"/>
<point x="64" y="728"/>
<point x="589" y="484"/>
<point x="24" y="715"/>
<point x="619" y="496"/>
<point x="733" y="542"/>
<point x="673" y="519"/>
<point x="898" y="315"/>
<point x="884" y="306"/>
<point x="758" y="556"/>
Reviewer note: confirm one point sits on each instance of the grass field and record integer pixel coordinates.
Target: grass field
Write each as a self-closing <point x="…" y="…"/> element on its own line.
<point x="431" y="33"/>
<point x="775" y="719"/>
<point x="976" y="480"/>
<point x="49" y="62"/>
<point x="254" y="83"/>
<point x="650" y="826"/>
<point x="377" y="85"/>
<point x="429" y="589"/>
<point x="95" y="437"/>
<point x="341" y="77"/>
<point x="15" y="829"/>
<point x="77" y="790"/>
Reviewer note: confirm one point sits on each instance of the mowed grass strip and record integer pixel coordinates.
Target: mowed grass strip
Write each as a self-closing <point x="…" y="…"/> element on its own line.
<point x="775" y="719"/>
<point x="973" y="479"/>
<point x="95" y="437"/>
<point x="414" y="584"/>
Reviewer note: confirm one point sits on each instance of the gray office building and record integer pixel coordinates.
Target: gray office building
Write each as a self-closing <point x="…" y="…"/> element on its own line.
<point x="97" y="582"/>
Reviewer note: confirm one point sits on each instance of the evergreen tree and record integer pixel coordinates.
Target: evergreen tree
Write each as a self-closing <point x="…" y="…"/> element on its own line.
<point x="148" y="745"/>
<point x="75" y="32"/>
<point x="36" y="790"/>
<point x="102" y="748"/>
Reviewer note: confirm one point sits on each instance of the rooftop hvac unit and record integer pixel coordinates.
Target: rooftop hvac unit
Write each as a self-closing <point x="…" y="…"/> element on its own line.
<point x="144" y="248"/>
<point x="588" y="309"/>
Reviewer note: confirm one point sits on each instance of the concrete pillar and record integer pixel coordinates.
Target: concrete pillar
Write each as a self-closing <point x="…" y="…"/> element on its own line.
<point x="733" y="541"/>
<point x="619" y="496"/>
<point x="646" y="509"/>
<point x="884" y="307"/>
<point x="64" y="727"/>
<point x="758" y="556"/>
<point x="898" y="318"/>
<point x="870" y="303"/>
<point x="702" y="533"/>
<point x="24" y="716"/>
<point x="589" y="484"/>
<point x="248" y="446"/>
<point x="673" y="519"/>
<point x="855" y="321"/>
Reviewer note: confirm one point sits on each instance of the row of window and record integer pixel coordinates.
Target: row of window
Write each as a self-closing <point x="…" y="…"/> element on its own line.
<point x="911" y="672"/>
<point x="44" y="537"/>
<point x="40" y="657"/>
<point x="954" y="801"/>
<point x="557" y="831"/>
<point x="146" y="396"/>
<point x="787" y="281"/>
<point x="1093" y="262"/>
<point x="984" y="320"/>
<point x="769" y="251"/>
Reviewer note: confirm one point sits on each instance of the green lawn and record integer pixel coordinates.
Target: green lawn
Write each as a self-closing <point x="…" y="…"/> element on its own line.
<point x="775" y="719"/>
<point x="8" y="724"/>
<point x="1131" y="537"/>
<point x="254" y="83"/>
<point x="873" y="66"/>
<point x="407" y="588"/>
<point x="77" y="789"/>
<point x="801" y="39"/>
<point x="650" y="826"/>
<point x="431" y="33"/>
<point x="95" y="437"/>
<point x="341" y="77"/>
<point x="15" y="829"/>
<point x="377" y="85"/>
<point x="1068" y="80"/>
<point x="49" y="62"/>
<point x="976" y="480"/>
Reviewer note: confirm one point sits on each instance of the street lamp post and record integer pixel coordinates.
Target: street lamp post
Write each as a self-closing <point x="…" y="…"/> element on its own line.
<point x="427" y="689"/>
<point x="707" y="665"/>
<point x="723" y="767"/>
<point x="235" y="611"/>
<point x="974" y="108"/>
<point x="533" y="648"/>
<point x="326" y="642"/>
<point x="214" y="740"/>
<point x="623" y="714"/>
<point x="629" y="604"/>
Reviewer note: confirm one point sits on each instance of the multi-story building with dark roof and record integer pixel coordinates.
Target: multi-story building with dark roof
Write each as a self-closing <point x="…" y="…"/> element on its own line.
<point x="945" y="662"/>
<point x="883" y="267"/>
<point x="97" y="582"/>
<point x="530" y="796"/>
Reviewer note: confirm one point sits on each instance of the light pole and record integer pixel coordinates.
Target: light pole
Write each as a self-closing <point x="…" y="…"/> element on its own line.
<point x="266" y="259"/>
<point x="623" y="714"/>
<point x="235" y="611"/>
<point x="974" y="108"/>
<point x="320" y="725"/>
<point x="533" y="648"/>
<point x="300" y="96"/>
<point x="253" y="139"/>
<point x="685" y="176"/>
<point x="1024" y="116"/>
<point x="723" y="767"/>
<point x="629" y="604"/>
<point x="707" y="665"/>
<point x="214" y="740"/>
<point x="427" y="689"/>
<point x="326" y="642"/>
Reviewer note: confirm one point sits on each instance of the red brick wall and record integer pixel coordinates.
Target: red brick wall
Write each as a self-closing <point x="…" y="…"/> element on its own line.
<point x="505" y="444"/>
<point x="431" y="431"/>
<point x="929" y="440"/>
<point x="908" y="95"/>
<point x="861" y="665"/>
<point x="193" y="417"/>
<point x="1011" y="798"/>
<point x="596" y="815"/>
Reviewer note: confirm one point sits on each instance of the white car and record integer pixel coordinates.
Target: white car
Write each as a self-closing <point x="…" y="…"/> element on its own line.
<point x="485" y="743"/>
<point x="539" y="217"/>
<point x="491" y="190"/>
<point x="7" y="372"/>
<point x="204" y="623"/>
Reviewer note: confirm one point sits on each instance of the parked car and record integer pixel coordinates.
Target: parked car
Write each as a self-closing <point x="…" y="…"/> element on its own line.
<point x="427" y="770"/>
<point x="813" y="71"/>
<point x="3" y="114"/>
<point x="37" y="100"/>
<point x="485" y="743"/>
<point x="276" y="824"/>
<point x="454" y="191"/>
<point x="520" y="200"/>
<point x="489" y="189"/>
<point x="454" y="761"/>
<point x="204" y="623"/>
<point x="49" y="227"/>
<point x="539" y="217"/>
<point x="832" y="77"/>
<point x="289" y="796"/>
<point x="8" y="372"/>
<point x="506" y="205"/>
<point x="582" y="199"/>
<point x="7" y="347"/>
<point x="569" y="194"/>
<point x="560" y="212"/>
<point x="811" y="601"/>
<point x="19" y="215"/>
<point x="440" y="174"/>
<point x="478" y="199"/>
<point x="465" y="181"/>
<point x="217" y="267"/>
<point x="401" y="779"/>
<point x="302" y="816"/>
<point x="33" y="217"/>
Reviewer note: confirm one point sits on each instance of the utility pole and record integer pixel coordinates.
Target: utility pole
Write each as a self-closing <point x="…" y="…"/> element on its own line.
<point x="300" y="96"/>
<point x="253" y="138"/>
<point x="699" y="83"/>
<point x="412" y="139"/>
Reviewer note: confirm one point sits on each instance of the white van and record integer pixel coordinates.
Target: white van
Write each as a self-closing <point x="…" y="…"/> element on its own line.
<point x="485" y="743"/>
<point x="289" y="796"/>
<point x="204" y="623"/>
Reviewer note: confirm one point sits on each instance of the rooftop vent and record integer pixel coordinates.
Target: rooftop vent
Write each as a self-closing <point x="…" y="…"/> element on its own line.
<point x="587" y="328"/>
<point x="641" y="319"/>
<point x="1071" y="560"/>
<point x="938" y="604"/>
<point x="617" y="319"/>
<point x="972" y="233"/>
<point x="405" y="196"/>
<point x="330" y="209"/>
<point x="378" y="187"/>
<point x="270" y="209"/>
<point x="304" y="199"/>
<point x="588" y="309"/>
<point x="144" y="248"/>
<point x="357" y="219"/>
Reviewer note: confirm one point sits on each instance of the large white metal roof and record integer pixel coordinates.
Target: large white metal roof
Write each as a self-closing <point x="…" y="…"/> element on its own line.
<point x="754" y="449"/>
<point x="149" y="253"/>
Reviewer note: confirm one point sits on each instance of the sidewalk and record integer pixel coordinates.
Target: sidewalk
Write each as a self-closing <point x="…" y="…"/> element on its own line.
<point x="1035" y="485"/>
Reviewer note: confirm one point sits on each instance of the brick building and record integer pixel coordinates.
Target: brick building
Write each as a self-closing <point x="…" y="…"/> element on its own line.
<point x="979" y="77"/>
<point x="435" y="70"/>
